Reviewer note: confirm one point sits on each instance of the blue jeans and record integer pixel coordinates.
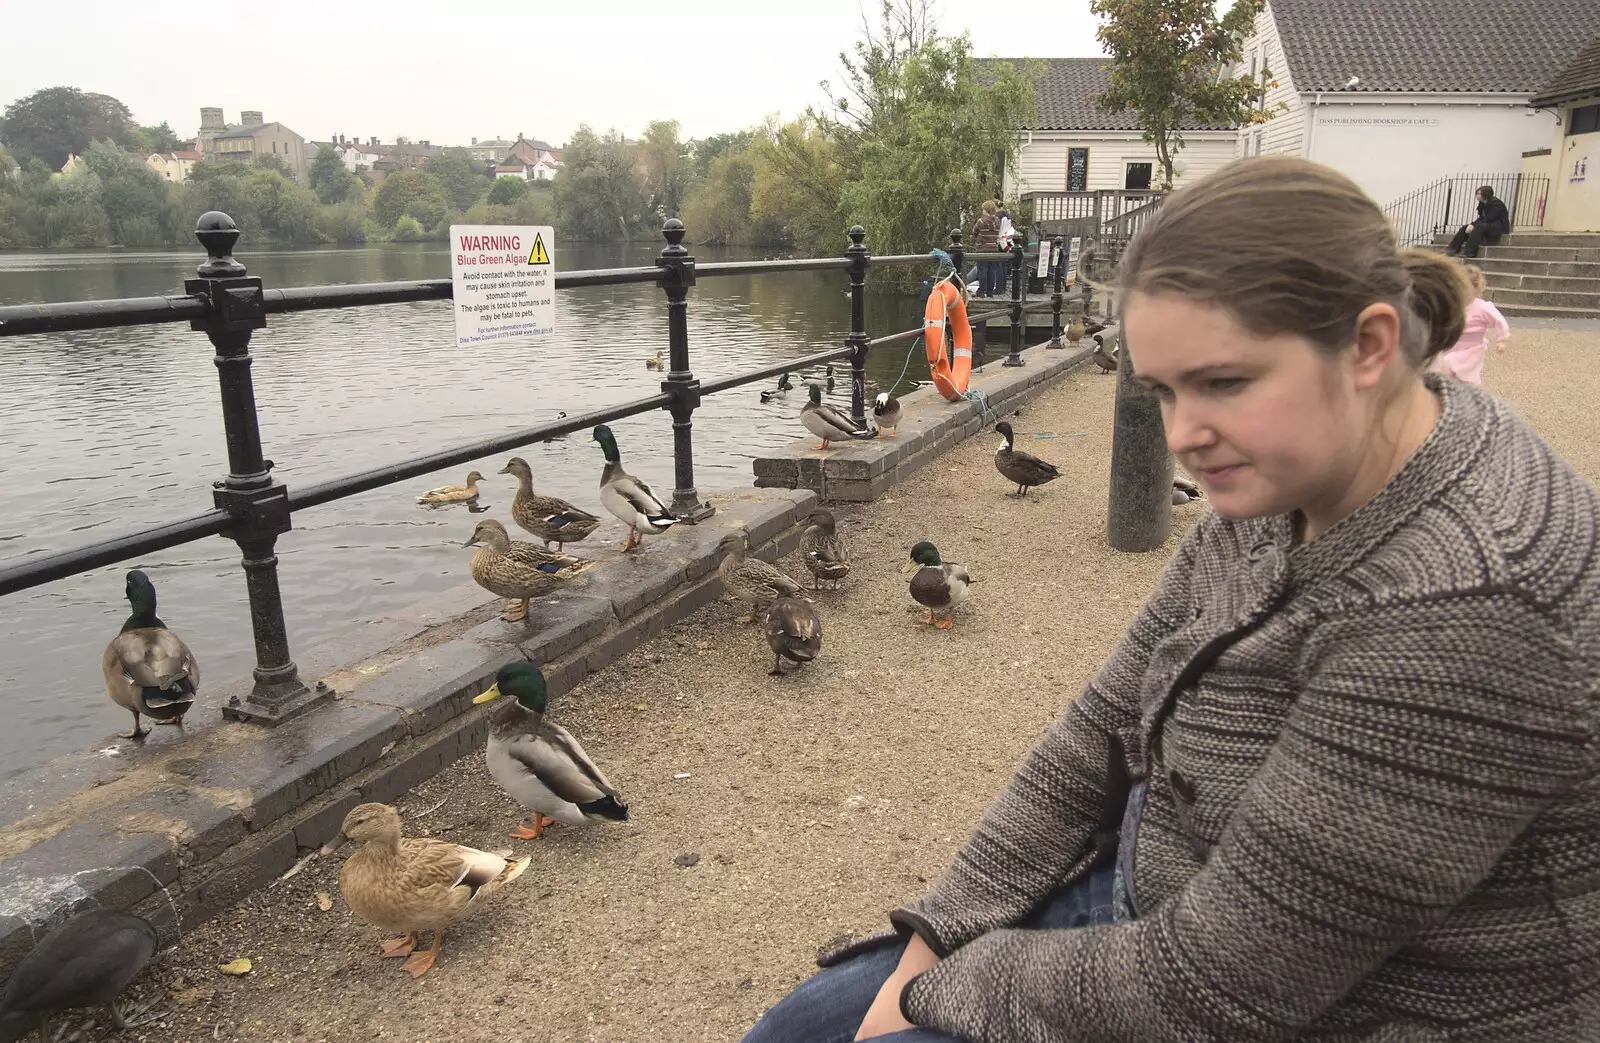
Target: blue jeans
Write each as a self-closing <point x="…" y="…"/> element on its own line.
<point x="991" y="278"/>
<point x="830" y="1006"/>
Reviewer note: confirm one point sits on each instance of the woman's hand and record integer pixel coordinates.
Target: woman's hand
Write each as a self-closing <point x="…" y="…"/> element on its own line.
<point x="884" y="1016"/>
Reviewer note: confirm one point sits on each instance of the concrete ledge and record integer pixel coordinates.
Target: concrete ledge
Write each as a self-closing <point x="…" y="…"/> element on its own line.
<point x="929" y="425"/>
<point x="183" y="826"/>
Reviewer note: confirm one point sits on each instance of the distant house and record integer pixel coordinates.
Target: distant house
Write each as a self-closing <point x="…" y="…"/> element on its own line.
<point x="511" y="169"/>
<point x="541" y="158"/>
<point x="73" y="165"/>
<point x="355" y="154"/>
<point x="172" y="166"/>
<point x="411" y="155"/>
<point x="1398" y="95"/>
<point x="489" y="151"/>
<point x="1573" y="96"/>
<point x="252" y="136"/>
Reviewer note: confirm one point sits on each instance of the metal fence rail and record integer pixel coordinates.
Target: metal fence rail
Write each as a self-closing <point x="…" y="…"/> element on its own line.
<point x="253" y="508"/>
<point x="1447" y="204"/>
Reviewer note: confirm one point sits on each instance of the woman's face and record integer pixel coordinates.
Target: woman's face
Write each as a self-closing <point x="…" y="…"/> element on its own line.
<point x="1266" y="425"/>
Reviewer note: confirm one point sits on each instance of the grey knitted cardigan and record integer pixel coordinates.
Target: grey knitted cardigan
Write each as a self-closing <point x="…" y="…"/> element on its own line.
<point x="1373" y="810"/>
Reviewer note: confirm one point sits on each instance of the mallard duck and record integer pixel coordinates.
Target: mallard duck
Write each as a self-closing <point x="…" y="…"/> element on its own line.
<point x="794" y="632"/>
<point x="147" y="668"/>
<point x="886" y="414"/>
<point x="936" y="584"/>
<point x="539" y="764"/>
<point x="785" y="385"/>
<point x="1105" y="358"/>
<point x="654" y="361"/>
<point x="1075" y="330"/>
<point x="412" y="884"/>
<point x="828" y="423"/>
<point x="86" y="962"/>
<point x="453" y="493"/>
<point x="827" y="372"/>
<point x="1185" y="491"/>
<point x="1023" y="469"/>
<point x="627" y="497"/>
<point x="551" y="519"/>
<point x="823" y="552"/>
<point x="754" y="582"/>
<point x="517" y="570"/>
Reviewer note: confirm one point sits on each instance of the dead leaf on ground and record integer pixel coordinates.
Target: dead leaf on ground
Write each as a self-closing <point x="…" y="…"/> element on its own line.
<point x="324" y="901"/>
<point x="236" y="967"/>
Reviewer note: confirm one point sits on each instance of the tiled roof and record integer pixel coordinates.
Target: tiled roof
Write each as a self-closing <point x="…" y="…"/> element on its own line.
<point x="1495" y="46"/>
<point x="1580" y="79"/>
<point x="1067" y="90"/>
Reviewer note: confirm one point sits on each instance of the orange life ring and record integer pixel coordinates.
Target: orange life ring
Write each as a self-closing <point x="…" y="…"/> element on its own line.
<point x="950" y="375"/>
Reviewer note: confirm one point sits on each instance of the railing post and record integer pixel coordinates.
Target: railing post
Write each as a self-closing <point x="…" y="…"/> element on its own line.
<point x="258" y="503"/>
<point x="857" y="340"/>
<point x="1058" y="258"/>
<point x="1139" y="510"/>
<point x="678" y="275"/>
<point x="1018" y="287"/>
<point x="1449" y="193"/>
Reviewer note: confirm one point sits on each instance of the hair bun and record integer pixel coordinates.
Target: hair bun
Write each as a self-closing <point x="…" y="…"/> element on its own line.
<point x="1440" y="293"/>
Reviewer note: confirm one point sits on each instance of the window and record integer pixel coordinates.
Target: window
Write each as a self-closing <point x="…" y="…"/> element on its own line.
<point x="1254" y="62"/>
<point x="274" y="147"/>
<point x="1585" y="120"/>
<point x="1138" y="177"/>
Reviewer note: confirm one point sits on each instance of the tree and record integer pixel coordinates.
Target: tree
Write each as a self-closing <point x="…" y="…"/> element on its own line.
<point x="330" y="180"/>
<point x="599" y="193"/>
<point x="717" y="209"/>
<point x="52" y="123"/>
<point x="666" y="166"/>
<point x="507" y="190"/>
<point x="707" y="150"/>
<point x="797" y="181"/>
<point x="132" y="196"/>
<point x="158" y="138"/>
<point x="1164" y="60"/>
<point x="410" y="193"/>
<point x="271" y="161"/>
<point x="461" y="176"/>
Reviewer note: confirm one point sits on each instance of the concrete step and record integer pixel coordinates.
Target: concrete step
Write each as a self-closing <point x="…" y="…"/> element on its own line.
<point x="1532" y="311"/>
<point x="1543" y="283"/>
<point x="1541" y="240"/>
<point x="1551" y="269"/>
<point x="1545" y="299"/>
<point x="1587" y="255"/>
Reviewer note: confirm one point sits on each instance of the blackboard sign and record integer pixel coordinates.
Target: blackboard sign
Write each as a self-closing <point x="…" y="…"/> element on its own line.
<point x="1077" y="170"/>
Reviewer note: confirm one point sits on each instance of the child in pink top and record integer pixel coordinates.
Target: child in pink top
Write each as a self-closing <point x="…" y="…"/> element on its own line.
<point x="1464" y="361"/>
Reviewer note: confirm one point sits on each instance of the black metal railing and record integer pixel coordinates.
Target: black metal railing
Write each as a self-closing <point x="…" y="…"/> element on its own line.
<point x="1443" y="206"/>
<point x="253" y="508"/>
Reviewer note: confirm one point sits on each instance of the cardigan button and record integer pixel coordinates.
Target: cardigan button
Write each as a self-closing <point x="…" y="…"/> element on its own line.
<point x="1261" y="552"/>
<point x="1182" y="788"/>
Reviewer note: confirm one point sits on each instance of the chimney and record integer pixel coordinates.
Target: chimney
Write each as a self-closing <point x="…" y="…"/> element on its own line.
<point x="250" y="117"/>
<point x="373" y="142"/>
<point x="211" y="119"/>
<point x="474" y="141"/>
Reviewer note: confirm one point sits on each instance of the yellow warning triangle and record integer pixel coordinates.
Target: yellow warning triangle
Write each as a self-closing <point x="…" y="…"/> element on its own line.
<point x="539" y="255"/>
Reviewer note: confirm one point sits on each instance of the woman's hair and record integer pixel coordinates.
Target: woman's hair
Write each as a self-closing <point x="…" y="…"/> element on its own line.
<point x="1290" y="246"/>
<point x="989" y="206"/>
<point x="1486" y="192"/>
<point x="1475" y="277"/>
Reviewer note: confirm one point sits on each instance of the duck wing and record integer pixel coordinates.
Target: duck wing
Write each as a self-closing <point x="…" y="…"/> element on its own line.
<point x="558" y="760"/>
<point x="794" y="629"/>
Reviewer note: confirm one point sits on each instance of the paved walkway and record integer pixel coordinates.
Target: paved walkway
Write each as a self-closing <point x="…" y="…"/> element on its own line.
<point x="812" y="803"/>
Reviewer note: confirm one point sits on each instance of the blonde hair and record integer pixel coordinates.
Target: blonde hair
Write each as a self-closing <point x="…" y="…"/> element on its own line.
<point x="1290" y="246"/>
<point x="1475" y="278"/>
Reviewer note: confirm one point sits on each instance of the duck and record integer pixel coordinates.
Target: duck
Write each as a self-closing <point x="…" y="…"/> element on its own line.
<point x="627" y="497"/>
<point x="517" y="570"/>
<point x="1105" y="358"/>
<point x="794" y="632"/>
<point x="785" y="385"/>
<point x="1184" y="491"/>
<point x="1075" y="330"/>
<point x="654" y="361"/>
<point x="1025" y="470"/>
<point x="147" y="668"/>
<point x="453" y="493"/>
<point x="753" y="581"/>
<point x="85" y="962"/>
<point x="937" y="585"/>
<point x="551" y="519"/>
<point x="561" y="414"/>
<point x="414" y="884"/>
<point x="539" y="764"/>
<point x="886" y="414"/>
<point x="827" y="373"/>
<point x="829" y="423"/>
<point x="823" y="552"/>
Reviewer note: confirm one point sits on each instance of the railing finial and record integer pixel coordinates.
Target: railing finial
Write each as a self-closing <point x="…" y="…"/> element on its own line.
<point x="218" y="234"/>
<point x="673" y="233"/>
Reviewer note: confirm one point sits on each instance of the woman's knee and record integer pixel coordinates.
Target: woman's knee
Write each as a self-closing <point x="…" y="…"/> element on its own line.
<point x="830" y="1004"/>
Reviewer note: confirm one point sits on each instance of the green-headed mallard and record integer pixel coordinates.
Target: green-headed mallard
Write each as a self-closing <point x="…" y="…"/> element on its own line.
<point x="754" y="582"/>
<point x="829" y="423"/>
<point x="1105" y="358"/>
<point x="539" y="764"/>
<point x="147" y="668"/>
<point x="453" y="493"/>
<point x="936" y="585"/>
<point x="886" y="414"/>
<point x="551" y="519"/>
<point x="653" y="361"/>
<point x="785" y="385"/>
<point x="86" y="962"/>
<point x="794" y="632"/>
<point x="412" y="884"/>
<point x="823" y="552"/>
<point x="1023" y="469"/>
<point x="627" y="497"/>
<point x="517" y="570"/>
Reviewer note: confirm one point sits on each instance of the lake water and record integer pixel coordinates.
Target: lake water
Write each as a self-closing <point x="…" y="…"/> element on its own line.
<point x="109" y="431"/>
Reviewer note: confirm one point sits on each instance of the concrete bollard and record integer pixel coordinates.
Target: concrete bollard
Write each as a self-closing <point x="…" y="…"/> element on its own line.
<point x="1139" y="511"/>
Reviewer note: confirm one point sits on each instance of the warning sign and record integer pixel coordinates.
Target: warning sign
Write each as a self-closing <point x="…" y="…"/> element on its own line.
<point x="504" y="281"/>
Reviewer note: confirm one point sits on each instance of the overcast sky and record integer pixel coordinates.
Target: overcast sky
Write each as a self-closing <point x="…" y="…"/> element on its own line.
<point x="450" y="72"/>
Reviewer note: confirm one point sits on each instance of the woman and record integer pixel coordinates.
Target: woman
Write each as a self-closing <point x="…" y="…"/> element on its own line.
<point x="1491" y="223"/>
<point x="1337" y="782"/>
<point x="986" y="239"/>
<point x="1464" y="360"/>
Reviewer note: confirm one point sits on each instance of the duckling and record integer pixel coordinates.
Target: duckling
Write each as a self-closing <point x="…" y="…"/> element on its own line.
<point x="147" y="668"/>
<point x="413" y="884"/>
<point x="794" y="632"/>
<point x="828" y="423"/>
<point x="754" y="582"/>
<point x="654" y="361"/>
<point x="938" y="586"/>
<point x="886" y="414"/>
<point x="453" y="493"/>
<point x="551" y="519"/>
<point x="1025" y="469"/>
<point x="86" y="962"/>
<point x="539" y="764"/>
<point x="516" y="570"/>
<point x="627" y="497"/>
<point x="785" y="385"/>
<point x="1185" y="491"/>
<point x="823" y="551"/>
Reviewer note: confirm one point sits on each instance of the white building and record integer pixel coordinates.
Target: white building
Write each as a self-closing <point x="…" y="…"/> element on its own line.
<point x="1571" y="159"/>
<point x="172" y="166"/>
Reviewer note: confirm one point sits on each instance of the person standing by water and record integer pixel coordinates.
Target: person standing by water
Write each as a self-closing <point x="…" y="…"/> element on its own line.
<point x="1492" y="222"/>
<point x="986" y="239"/>
<point x="1338" y="781"/>
<point x="1464" y="360"/>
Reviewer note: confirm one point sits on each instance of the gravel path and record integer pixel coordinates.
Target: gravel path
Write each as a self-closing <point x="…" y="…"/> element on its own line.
<point x="813" y="803"/>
